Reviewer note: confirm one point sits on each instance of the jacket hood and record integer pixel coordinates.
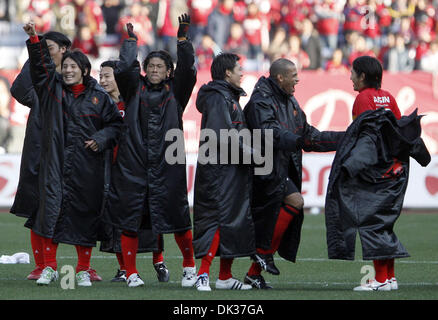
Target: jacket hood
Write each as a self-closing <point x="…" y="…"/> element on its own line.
<point x="266" y="86"/>
<point x="223" y="87"/>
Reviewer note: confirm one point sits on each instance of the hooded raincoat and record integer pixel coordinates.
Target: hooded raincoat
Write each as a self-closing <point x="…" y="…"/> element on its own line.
<point x="223" y="190"/>
<point x="71" y="177"/>
<point x="147" y="191"/>
<point x="270" y="107"/>
<point x="367" y="184"/>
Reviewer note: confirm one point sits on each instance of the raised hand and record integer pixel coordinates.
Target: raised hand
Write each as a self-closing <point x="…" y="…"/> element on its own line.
<point x="29" y="28"/>
<point x="184" y="23"/>
<point x="130" y="29"/>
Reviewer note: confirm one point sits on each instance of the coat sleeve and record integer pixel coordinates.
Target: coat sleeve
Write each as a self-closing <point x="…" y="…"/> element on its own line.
<point x="112" y="121"/>
<point x="363" y="155"/>
<point x="42" y="71"/>
<point x="185" y="73"/>
<point x="320" y="141"/>
<point x="22" y="88"/>
<point x="127" y="71"/>
<point x="261" y="115"/>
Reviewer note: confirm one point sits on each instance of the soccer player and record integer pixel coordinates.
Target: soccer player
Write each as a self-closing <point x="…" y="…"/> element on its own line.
<point x="147" y="191"/>
<point x="222" y="219"/>
<point x="147" y="241"/>
<point x="369" y="176"/>
<point x="26" y="199"/>
<point x="79" y="122"/>
<point x="277" y="204"/>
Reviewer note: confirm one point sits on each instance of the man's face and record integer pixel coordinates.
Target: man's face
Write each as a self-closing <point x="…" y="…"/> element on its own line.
<point x="107" y="80"/>
<point x="235" y="76"/>
<point x="71" y="73"/>
<point x="55" y="51"/>
<point x="156" y="70"/>
<point x="357" y="80"/>
<point x="289" y="79"/>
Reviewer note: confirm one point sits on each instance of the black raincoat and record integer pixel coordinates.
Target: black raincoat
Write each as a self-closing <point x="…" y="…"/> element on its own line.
<point x="270" y="107"/>
<point x="71" y="177"/>
<point x="146" y="191"/>
<point x="27" y="196"/>
<point x="222" y="191"/>
<point x="367" y="184"/>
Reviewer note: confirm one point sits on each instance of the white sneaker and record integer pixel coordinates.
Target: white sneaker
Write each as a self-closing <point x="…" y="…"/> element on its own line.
<point x="134" y="280"/>
<point x="394" y="284"/>
<point x="203" y="282"/>
<point x="374" y="285"/>
<point x="83" y="279"/>
<point x="47" y="276"/>
<point x="232" y="284"/>
<point x="189" y="277"/>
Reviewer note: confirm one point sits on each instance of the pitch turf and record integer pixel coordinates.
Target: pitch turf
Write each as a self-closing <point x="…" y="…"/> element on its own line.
<point x="313" y="277"/>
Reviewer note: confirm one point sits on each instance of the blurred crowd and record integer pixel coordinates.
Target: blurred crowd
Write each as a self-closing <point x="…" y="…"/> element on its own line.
<point x="316" y="34"/>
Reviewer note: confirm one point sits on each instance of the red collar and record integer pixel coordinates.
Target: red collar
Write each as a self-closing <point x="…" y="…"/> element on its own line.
<point x="77" y="89"/>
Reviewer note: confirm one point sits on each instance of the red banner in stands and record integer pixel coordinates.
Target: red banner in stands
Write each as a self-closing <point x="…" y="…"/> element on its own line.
<point x="326" y="99"/>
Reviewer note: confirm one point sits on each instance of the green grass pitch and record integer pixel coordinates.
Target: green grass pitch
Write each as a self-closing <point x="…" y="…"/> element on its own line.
<point x="312" y="277"/>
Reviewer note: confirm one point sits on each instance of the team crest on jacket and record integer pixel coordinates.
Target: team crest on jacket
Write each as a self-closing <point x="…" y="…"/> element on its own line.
<point x="94" y="100"/>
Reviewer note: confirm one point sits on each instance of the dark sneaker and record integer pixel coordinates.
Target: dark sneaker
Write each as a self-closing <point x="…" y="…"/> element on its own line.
<point x="257" y="282"/>
<point x="162" y="272"/>
<point x="266" y="262"/>
<point x="93" y="275"/>
<point x="120" y="276"/>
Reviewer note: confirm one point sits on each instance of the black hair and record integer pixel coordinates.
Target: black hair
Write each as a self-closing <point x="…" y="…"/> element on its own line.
<point x="163" y="55"/>
<point x="372" y="68"/>
<point x="82" y="60"/>
<point x="109" y="63"/>
<point x="221" y="63"/>
<point x="59" y="38"/>
<point x="279" y="66"/>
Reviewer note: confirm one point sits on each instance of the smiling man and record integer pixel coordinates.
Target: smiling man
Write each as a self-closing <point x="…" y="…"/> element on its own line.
<point x="277" y="203"/>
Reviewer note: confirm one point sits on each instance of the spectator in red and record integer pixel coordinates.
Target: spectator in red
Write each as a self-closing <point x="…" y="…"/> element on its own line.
<point x="240" y="10"/>
<point x="336" y="63"/>
<point x="422" y="46"/>
<point x="89" y="13"/>
<point x="372" y="24"/>
<point x="252" y="26"/>
<point x="294" y="13"/>
<point x="41" y="15"/>
<point x="297" y="55"/>
<point x="327" y="25"/>
<point x="237" y="42"/>
<point x="205" y="53"/>
<point x="199" y="10"/>
<point x="424" y="18"/>
<point x="360" y="48"/>
<point x="85" y="41"/>
<point x="138" y="17"/>
<point x="353" y="17"/>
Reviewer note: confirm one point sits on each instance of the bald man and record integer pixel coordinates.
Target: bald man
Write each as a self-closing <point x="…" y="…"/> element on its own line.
<point x="277" y="204"/>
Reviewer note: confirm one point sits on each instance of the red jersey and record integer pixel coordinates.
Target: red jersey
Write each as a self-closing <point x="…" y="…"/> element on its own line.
<point x="372" y="99"/>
